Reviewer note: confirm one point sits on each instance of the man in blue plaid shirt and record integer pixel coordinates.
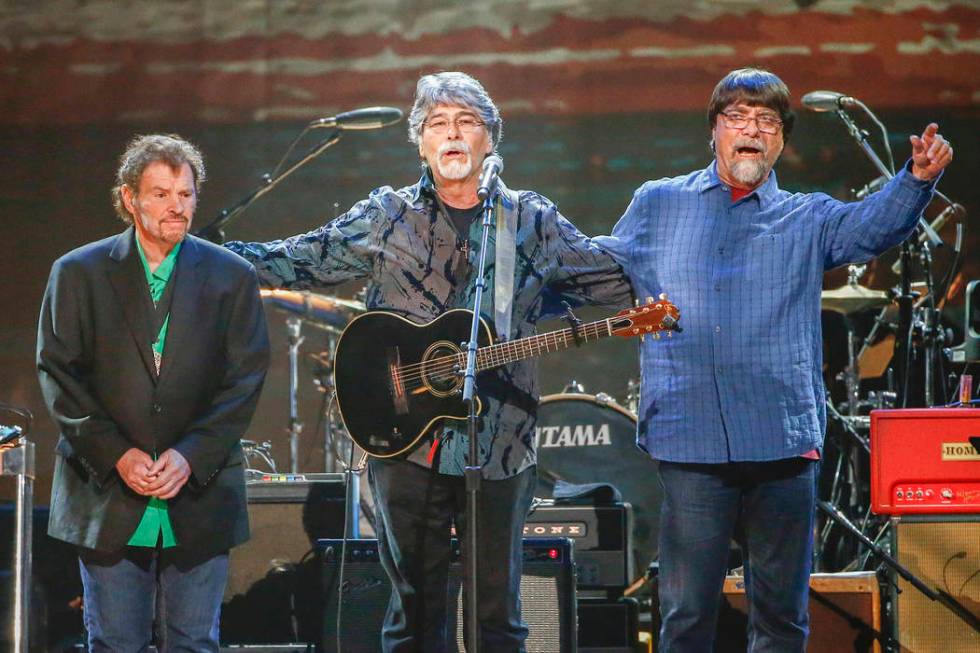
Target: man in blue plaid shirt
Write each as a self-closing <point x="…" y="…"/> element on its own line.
<point x="733" y="406"/>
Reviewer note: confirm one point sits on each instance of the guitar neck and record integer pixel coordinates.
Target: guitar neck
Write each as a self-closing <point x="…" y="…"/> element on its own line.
<point x="514" y="350"/>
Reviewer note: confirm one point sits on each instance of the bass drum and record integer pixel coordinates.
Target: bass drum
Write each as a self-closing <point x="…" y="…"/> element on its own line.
<point x="585" y="438"/>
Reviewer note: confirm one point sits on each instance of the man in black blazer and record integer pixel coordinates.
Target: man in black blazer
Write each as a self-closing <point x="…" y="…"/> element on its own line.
<point x="152" y="349"/>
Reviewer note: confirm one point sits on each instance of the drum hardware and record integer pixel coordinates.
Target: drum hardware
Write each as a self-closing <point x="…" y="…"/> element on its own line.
<point x="853" y="298"/>
<point x="633" y="396"/>
<point x="323" y="311"/>
<point x="330" y="314"/>
<point x="17" y="459"/>
<point x="263" y="452"/>
<point x="574" y="386"/>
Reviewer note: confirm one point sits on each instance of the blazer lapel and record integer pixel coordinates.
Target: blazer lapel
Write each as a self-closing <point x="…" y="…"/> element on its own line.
<point x="191" y="276"/>
<point x="128" y="281"/>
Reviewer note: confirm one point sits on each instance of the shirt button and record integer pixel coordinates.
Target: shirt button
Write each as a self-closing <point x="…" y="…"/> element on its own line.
<point x="717" y="329"/>
<point x="721" y="250"/>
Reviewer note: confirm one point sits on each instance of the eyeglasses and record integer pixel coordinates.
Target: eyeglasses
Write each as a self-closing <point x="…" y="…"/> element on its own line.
<point x="767" y="123"/>
<point x="463" y="124"/>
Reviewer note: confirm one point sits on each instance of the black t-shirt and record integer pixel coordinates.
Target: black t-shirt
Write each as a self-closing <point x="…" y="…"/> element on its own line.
<point x="462" y="218"/>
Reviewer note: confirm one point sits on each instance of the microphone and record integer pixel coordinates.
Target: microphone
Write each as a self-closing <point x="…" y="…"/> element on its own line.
<point x="367" y="118"/>
<point x="493" y="165"/>
<point x="829" y="101"/>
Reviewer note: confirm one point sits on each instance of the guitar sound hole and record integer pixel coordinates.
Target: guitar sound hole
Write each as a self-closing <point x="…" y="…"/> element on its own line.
<point x="440" y="369"/>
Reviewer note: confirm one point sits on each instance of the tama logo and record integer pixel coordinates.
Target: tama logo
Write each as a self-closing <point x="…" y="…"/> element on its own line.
<point x="580" y="435"/>
<point x="959" y="451"/>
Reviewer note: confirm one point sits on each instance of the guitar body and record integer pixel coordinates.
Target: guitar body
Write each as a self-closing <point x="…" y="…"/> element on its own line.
<point x="395" y="379"/>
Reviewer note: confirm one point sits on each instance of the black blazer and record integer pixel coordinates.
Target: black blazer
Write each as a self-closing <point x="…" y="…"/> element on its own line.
<point x="98" y="378"/>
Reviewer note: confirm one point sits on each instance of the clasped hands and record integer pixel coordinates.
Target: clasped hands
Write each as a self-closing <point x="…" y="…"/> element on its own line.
<point x="162" y="478"/>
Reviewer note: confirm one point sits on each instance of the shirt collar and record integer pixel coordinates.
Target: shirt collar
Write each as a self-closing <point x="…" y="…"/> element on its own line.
<point x="427" y="186"/>
<point x="424" y="185"/>
<point x="166" y="267"/>
<point x="765" y="193"/>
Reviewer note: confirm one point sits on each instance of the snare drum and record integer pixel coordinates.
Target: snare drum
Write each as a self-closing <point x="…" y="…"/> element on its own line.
<point x="583" y="438"/>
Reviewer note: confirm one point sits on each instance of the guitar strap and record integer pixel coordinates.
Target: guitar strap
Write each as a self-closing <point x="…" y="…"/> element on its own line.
<point x="506" y="254"/>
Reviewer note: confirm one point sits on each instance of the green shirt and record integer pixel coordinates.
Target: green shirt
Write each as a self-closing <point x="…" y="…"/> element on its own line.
<point x="156" y="518"/>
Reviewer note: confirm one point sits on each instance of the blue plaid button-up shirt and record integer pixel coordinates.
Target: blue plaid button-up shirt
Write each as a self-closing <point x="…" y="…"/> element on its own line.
<point x="743" y="380"/>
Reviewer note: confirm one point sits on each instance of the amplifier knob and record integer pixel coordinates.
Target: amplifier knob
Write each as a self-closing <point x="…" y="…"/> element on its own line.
<point x="900" y="494"/>
<point x="918" y="494"/>
<point x="946" y="493"/>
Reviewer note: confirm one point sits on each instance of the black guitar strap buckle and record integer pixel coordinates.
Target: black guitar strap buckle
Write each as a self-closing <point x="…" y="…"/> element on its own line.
<point x="574" y="323"/>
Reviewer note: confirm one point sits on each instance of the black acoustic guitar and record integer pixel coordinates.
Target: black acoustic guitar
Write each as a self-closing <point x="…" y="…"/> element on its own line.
<point x="395" y="378"/>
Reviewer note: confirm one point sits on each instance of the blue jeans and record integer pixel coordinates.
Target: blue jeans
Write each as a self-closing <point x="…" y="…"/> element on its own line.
<point x="416" y="507"/>
<point x="768" y="508"/>
<point x="124" y="592"/>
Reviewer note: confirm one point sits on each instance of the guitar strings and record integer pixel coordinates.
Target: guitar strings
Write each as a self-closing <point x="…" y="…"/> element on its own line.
<point x="446" y="367"/>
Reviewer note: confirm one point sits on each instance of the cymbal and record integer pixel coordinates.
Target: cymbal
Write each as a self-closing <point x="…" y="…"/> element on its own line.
<point x="853" y="299"/>
<point x="322" y="309"/>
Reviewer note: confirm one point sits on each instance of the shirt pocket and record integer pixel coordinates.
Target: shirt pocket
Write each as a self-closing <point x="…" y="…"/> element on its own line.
<point x="773" y="261"/>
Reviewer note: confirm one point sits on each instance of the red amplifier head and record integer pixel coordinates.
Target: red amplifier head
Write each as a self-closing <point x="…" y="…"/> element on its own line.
<point x="925" y="461"/>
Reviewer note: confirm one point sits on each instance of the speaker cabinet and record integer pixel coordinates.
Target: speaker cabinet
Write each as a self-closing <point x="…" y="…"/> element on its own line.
<point x="547" y="596"/>
<point x="943" y="552"/>
<point x="274" y="594"/>
<point x="608" y="626"/>
<point x="845" y="614"/>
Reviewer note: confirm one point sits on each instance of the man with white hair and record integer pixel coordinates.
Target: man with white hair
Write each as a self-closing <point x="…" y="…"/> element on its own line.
<point x="416" y="247"/>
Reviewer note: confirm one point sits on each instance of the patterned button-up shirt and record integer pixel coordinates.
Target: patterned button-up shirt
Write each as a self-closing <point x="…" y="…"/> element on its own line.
<point x="402" y="242"/>
<point x="743" y="380"/>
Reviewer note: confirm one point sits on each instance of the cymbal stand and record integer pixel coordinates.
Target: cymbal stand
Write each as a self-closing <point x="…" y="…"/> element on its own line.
<point x="293" y="327"/>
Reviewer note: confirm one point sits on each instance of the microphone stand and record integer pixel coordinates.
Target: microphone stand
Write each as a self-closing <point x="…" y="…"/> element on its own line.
<point x="474" y="471"/>
<point x="214" y="230"/>
<point x="905" y="299"/>
<point x="937" y="594"/>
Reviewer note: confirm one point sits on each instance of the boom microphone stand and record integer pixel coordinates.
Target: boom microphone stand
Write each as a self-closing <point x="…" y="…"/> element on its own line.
<point x="937" y="594"/>
<point x="356" y="120"/>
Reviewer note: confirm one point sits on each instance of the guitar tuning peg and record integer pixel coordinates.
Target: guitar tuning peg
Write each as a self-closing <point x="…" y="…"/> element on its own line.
<point x="643" y="337"/>
<point x="656" y="336"/>
<point x="649" y="300"/>
<point x="663" y="296"/>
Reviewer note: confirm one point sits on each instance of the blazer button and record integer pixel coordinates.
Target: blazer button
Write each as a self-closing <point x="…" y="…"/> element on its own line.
<point x="157" y="409"/>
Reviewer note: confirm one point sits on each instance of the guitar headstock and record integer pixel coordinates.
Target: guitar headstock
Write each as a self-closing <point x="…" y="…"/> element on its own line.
<point x="651" y="318"/>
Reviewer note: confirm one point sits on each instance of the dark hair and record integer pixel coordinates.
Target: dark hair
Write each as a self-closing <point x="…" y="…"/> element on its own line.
<point x="144" y="150"/>
<point x="755" y="87"/>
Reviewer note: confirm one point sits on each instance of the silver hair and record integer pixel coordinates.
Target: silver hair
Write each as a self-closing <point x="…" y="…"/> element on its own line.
<point x="457" y="89"/>
<point x="144" y="150"/>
